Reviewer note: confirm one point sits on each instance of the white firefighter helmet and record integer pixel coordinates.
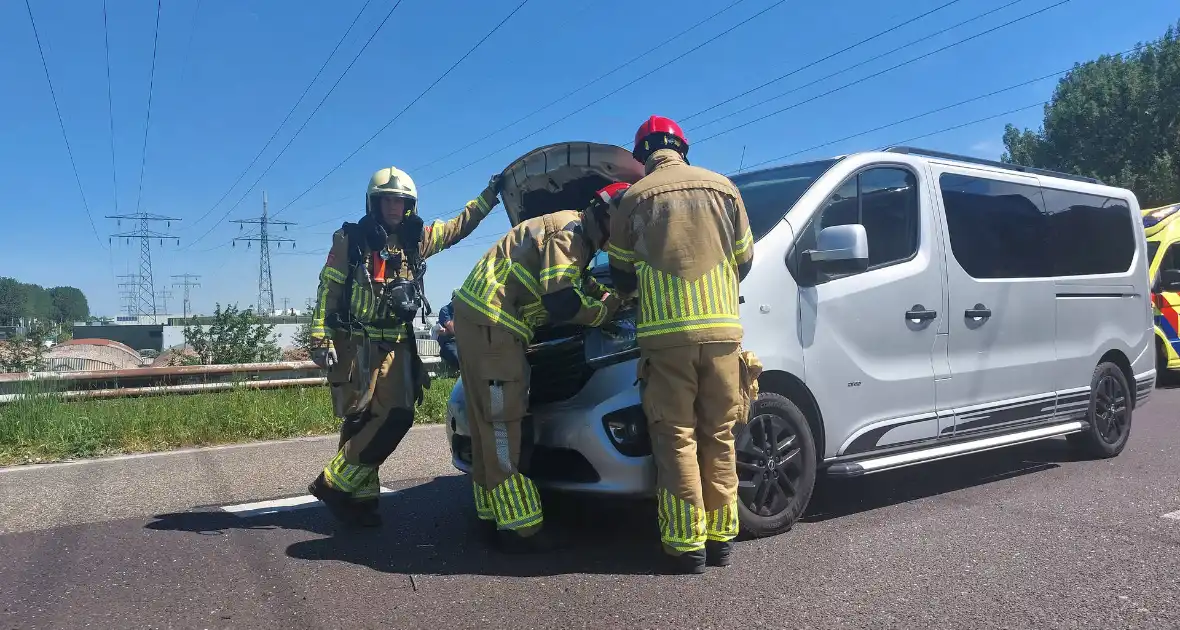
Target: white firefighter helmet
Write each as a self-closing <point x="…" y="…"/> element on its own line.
<point x="394" y="182"/>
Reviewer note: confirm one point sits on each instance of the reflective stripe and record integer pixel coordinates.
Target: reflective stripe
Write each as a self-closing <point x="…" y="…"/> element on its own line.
<point x="483" y="503"/>
<point x="485" y="281"/>
<point x="559" y="271"/>
<point x="682" y="524"/>
<point x="482" y="205"/>
<point x="371" y="489"/>
<point x="525" y="279"/>
<point x="743" y="244"/>
<point x="624" y="255"/>
<point x="722" y="523"/>
<point x="347" y="477"/>
<point x="516" y="503"/>
<point x="437" y="232"/>
<point x="670" y="304"/>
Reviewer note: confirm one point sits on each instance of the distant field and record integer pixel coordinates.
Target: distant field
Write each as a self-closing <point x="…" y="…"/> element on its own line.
<point x="47" y="429"/>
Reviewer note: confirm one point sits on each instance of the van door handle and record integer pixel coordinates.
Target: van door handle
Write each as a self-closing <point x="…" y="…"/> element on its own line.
<point x="920" y="313"/>
<point x="978" y="312"/>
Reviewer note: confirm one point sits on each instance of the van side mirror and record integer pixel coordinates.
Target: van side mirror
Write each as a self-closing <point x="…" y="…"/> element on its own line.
<point x="839" y="249"/>
<point x="1169" y="280"/>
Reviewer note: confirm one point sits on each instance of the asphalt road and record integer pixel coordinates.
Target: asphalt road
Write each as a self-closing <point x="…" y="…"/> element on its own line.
<point x="1028" y="537"/>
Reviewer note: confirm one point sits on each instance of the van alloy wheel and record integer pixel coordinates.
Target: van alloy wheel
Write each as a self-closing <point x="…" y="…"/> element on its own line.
<point x="769" y="465"/>
<point x="1110" y="409"/>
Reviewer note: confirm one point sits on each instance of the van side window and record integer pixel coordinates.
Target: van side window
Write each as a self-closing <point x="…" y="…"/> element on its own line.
<point x="1090" y="234"/>
<point x="1005" y="230"/>
<point x="997" y="229"/>
<point x="885" y="202"/>
<point x="1171" y="259"/>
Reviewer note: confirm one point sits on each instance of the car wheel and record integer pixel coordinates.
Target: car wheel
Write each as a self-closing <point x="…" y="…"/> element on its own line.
<point x="775" y="466"/>
<point x="1109" y="414"/>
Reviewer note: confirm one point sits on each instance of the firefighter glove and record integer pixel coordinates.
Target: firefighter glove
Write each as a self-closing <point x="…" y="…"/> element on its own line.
<point x="325" y="357"/>
<point x="490" y="193"/>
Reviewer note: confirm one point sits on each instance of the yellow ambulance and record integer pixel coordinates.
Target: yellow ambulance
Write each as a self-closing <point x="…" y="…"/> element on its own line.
<point x="1162" y="228"/>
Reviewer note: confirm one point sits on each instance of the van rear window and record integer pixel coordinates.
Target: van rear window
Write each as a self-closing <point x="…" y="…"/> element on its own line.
<point x="1002" y="229"/>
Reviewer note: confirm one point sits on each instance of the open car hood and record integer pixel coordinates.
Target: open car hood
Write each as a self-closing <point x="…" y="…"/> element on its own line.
<point x="563" y="176"/>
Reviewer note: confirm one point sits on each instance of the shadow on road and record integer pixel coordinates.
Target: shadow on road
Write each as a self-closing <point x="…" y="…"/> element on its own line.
<point x="429" y="528"/>
<point x="834" y="498"/>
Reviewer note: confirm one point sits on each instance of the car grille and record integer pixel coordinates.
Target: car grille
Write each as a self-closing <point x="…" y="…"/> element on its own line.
<point x="559" y="369"/>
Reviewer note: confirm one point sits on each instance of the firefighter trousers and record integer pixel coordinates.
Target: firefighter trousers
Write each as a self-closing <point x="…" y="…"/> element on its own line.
<point x="344" y="395"/>
<point x="496" y="385"/>
<point x="368" y="438"/>
<point x="692" y="398"/>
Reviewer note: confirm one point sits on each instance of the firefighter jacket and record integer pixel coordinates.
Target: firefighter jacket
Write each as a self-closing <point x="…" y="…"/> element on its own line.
<point x="680" y="238"/>
<point x="364" y="290"/>
<point x="534" y="276"/>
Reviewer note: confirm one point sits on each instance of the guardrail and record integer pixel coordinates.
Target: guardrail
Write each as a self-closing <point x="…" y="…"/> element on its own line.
<point x="184" y="379"/>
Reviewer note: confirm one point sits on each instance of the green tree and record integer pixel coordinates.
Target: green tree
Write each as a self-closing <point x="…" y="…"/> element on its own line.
<point x="38" y="303"/>
<point x="1115" y="118"/>
<point x="26" y="353"/>
<point x="69" y="304"/>
<point x="12" y="301"/>
<point x="233" y="337"/>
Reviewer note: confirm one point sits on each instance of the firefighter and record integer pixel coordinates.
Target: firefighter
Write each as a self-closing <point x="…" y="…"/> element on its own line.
<point x="370" y="288"/>
<point x="533" y="276"/>
<point x="680" y="239"/>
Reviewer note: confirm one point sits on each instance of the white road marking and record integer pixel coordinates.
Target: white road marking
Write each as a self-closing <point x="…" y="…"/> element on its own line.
<point x="258" y="508"/>
<point x="1173" y="515"/>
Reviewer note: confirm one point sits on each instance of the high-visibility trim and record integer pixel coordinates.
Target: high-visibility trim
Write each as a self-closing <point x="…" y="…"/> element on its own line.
<point x="590" y="303"/>
<point x="484" y="281"/>
<point x="682" y="524"/>
<point x="744" y="243"/>
<point x="371" y="488"/>
<point x="483" y="206"/>
<point x="332" y="274"/>
<point x="559" y="271"/>
<point x="437" y="232"/>
<point x="347" y="477"/>
<point x="624" y="255"/>
<point x="525" y="279"/>
<point x="721" y="525"/>
<point x="484" y="508"/>
<point x="535" y="314"/>
<point x="669" y="304"/>
<point x="516" y="503"/>
<point x="497" y="315"/>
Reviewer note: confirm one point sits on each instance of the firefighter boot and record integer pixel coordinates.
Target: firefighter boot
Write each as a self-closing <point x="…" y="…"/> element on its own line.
<point x="691" y="562"/>
<point x="718" y="554"/>
<point x="339" y="503"/>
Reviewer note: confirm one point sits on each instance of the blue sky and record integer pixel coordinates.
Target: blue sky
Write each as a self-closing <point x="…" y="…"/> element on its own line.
<point x="227" y="72"/>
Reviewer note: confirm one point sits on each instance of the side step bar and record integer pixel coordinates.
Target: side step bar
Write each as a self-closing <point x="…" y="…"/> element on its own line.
<point x="901" y="460"/>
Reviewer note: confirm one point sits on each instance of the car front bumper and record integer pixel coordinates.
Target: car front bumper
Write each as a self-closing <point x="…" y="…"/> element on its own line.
<point x="572" y="450"/>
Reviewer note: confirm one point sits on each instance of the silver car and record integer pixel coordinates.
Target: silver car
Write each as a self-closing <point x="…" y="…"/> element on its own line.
<point x="907" y="305"/>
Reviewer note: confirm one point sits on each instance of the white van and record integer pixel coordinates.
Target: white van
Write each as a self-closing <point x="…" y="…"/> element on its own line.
<point x="908" y="306"/>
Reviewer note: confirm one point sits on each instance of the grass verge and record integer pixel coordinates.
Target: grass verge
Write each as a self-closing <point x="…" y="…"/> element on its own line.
<point x="47" y="428"/>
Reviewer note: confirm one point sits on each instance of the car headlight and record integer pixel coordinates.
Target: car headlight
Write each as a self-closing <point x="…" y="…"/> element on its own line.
<point x="627" y="429"/>
<point x="613" y="342"/>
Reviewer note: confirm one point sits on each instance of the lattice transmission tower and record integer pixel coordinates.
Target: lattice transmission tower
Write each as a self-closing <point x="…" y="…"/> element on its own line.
<point x="266" y="292"/>
<point x="145" y="290"/>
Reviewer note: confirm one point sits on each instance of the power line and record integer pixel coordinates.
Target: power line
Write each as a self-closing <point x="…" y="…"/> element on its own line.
<point x="935" y="111"/>
<point x="609" y="94"/>
<point x="151" y="88"/>
<point x="106" y="44"/>
<point x="854" y="66"/>
<point x="404" y="109"/>
<point x="823" y="59"/>
<point x="301" y="127"/>
<point x="290" y="112"/>
<point x="879" y="73"/>
<point x="189" y="46"/>
<point x="589" y="83"/>
<point x="62" y="124"/>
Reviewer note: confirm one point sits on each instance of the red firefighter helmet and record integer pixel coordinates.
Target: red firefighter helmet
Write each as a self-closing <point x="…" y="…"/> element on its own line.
<point x="657" y="133"/>
<point x="611" y="193"/>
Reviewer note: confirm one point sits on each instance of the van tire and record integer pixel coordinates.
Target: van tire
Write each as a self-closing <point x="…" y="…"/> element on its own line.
<point x="780" y="417"/>
<point x="1111" y="401"/>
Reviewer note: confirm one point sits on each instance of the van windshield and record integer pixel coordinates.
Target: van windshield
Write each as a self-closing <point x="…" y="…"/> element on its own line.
<point x="770" y="193"/>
